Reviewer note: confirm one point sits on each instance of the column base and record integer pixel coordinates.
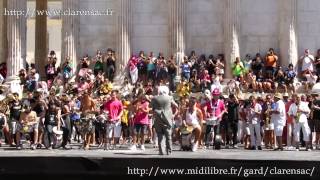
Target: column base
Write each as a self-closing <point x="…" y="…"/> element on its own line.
<point x="13" y="84"/>
<point x="177" y="79"/>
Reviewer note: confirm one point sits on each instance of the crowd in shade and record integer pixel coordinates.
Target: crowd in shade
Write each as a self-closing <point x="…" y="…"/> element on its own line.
<point x="161" y="100"/>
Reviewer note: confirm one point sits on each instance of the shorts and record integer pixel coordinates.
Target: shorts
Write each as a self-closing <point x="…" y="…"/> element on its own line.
<point x="140" y="129"/>
<point x="40" y="126"/>
<point x="113" y="130"/>
<point x="278" y="130"/>
<point x="246" y="129"/>
<point x="125" y="130"/>
<point x="269" y="127"/>
<point x="314" y="125"/>
<point x="13" y="126"/>
<point x="26" y="129"/>
<point x="88" y="127"/>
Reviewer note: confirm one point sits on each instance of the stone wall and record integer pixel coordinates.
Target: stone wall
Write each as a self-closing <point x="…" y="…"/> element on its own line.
<point x="259" y="26"/>
<point x="205" y="26"/>
<point x="98" y="32"/>
<point x="308" y="25"/>
<point x="150" y="26"/>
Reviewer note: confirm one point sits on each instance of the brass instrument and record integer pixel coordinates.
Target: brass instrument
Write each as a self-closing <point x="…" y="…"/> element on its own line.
<point x="267" y="116"/>
<point x="4" y="104"/>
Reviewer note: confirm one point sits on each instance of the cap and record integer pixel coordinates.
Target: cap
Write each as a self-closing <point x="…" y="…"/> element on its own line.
<point x="216" y="92"/>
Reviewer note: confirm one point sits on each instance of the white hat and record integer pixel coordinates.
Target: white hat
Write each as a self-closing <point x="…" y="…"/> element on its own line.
<point x="163" y="90"/>
<point x="207" y="93"/>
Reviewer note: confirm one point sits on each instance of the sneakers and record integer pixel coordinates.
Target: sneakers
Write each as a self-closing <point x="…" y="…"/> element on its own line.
<point x="66" y="147"/>
<point x="19" y="147"/>
<point x="133" y="148"/>
<point x="195" y="147"/>
<point x="33" y="147"/>
<point x="143" y="148"/>
<point x="259" y="148"/>
<point x="107" y="147"/>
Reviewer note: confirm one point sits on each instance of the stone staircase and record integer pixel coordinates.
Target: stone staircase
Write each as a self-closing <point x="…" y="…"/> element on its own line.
<point x="300" y="89"/>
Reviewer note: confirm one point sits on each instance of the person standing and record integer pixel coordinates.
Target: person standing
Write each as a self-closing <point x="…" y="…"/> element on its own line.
<point x="161" y="106"/>
<point x="299" y="111"/>
<point x="254" y="123"/>
<point x="290" y="121"/>
<point x="141" y="121"/>
<point x="278" y="118"/>
<point x="233" y="119"/>
<point x="315" y="116"/>
<point x="114" y="108"/>
<point x="111" y="64"/>
<point x="87" y="108"/>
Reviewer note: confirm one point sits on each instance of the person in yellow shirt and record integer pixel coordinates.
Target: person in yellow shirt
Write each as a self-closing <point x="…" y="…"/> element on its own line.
<point x="183" y="89"/>
<point x="106" y="87"/>
<point x="125" y="121"/>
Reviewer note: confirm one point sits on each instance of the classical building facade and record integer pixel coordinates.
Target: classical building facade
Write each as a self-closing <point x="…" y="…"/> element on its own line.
<point x="174" y="27"/>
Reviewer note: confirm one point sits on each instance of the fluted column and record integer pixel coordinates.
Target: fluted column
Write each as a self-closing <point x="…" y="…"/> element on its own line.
<point x="288" y="32"/>
<point x="41" y="48"/>
<point x="16" y="33"/>
<point x="125" y="31"/>
<point x="231" y="34"/>
<point x="2" y="31"/>
<point x="177" y="29"/>
<point x="70" y="33"/>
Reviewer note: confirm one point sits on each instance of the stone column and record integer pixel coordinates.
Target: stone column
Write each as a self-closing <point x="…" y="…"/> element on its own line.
<point x="231" y="34"/>
<point x="41" y="48"/>
<point x="70" y="33"/>
<point x="124" y="38"/>
<point x="288" y="34"/>
<point x="2" y="31"/>
<point x="177" y="30"/>
<point x="16" y="33"/>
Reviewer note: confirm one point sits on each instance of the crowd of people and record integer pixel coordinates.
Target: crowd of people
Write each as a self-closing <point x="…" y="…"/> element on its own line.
<point x="82" y="105"/>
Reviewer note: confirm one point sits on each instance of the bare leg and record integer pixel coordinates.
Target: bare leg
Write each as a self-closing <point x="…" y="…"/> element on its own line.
<point x="35" y="137"/>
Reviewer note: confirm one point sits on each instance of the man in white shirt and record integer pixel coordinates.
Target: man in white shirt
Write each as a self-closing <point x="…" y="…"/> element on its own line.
<point x="299" y="111"/>
<point x="307" y="62"/>
<point x="278" y="118"/>
<point x="254" y="124"/>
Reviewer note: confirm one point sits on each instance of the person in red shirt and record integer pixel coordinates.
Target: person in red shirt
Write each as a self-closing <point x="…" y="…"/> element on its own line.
<point x="214" y="109"/>
<point x="114" y="110"/>
<point x="141" y="121"/>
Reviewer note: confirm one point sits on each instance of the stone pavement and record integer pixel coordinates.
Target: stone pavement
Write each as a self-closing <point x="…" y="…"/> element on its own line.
<point x="150" y="152"/>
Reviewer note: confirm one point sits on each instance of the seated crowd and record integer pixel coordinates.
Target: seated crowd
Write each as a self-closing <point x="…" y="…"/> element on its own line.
<point x="82" y="104"/>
